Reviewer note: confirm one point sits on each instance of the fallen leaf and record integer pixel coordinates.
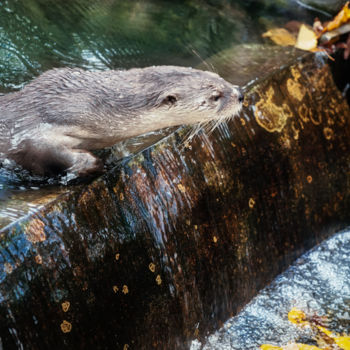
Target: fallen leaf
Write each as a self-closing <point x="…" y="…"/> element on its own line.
<point x="307" y="39"/>
<point x="280" y="36"/>
<point x="342" y="17"/>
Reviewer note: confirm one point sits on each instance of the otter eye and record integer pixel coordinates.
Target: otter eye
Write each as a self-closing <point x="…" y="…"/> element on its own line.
<point x="170" y="100"/>
<point x="216" y="97"/>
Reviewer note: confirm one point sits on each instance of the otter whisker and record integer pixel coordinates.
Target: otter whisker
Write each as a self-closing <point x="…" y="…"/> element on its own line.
<point x="210" y="66"/>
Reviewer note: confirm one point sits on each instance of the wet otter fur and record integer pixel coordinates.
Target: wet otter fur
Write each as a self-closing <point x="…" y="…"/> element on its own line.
<point x="53" y="123"/>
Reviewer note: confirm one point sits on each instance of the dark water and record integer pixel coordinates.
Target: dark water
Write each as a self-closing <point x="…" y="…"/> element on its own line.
<point x="36" y="35"/>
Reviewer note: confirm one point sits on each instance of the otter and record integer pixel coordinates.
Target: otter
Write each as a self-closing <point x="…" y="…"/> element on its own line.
<point x="53" y="123"/>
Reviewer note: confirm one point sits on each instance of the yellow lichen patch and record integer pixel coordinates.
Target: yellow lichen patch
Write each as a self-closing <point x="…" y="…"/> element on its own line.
<point x="66" y="326"/>
<point x="296" y="132"/>
<point x="304" y="112"/>
<point x="125" y="290"/>
<point x="8" y="268"/>
<point x="251" y="203"/>
<point x="195" y="227"/>
<point x="328" y="133"/>
<point x="117" y="256"/>
<point x="65" y="306"/>
<point x="35" y="231"/>
<point x="295" y="72"/>
<point x="181" y="188"/>
<point x="270" y="116"/>
<point x="159" y="280"/>
<point x="309" y="179"/>
<point x="215" y="239"/>
<point x="38" y="259"/>
<point x="152" y="267"/>
<point x="295" y="89"/>
<point x="115" y="289"/>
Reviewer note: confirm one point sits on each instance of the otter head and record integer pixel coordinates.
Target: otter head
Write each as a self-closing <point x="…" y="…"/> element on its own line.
<point x="179" y="95"/>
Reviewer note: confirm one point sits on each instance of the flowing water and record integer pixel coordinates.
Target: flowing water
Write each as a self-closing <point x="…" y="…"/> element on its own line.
<point x="317" y="284"/>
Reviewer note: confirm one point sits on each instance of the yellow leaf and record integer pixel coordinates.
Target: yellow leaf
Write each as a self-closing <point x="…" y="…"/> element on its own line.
<point x="343" y="342"/>
<point x="280" y="36"/>
<point x="307" y="39"/>
<point x="269" y="347"/>
<point x="293" y="346"/>
<point x="342" y="17"/>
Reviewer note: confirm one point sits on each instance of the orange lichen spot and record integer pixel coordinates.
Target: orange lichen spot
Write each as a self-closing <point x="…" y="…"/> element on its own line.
<point x="77" y="272"/>
<point x="125" y="290"/>
<point x="251" y="203"/>
<point x="85" y="286"/>
<point x="309" y="179"/>
<point x="66" y="326"/>
<point x="65" y="306"/>
<point x="243" y="122"/>
<point x="115" y="289"/>
<point x="35" y="231"/>
<point x="152" y="267"/>
<point x="121" y="196"/>
<point x="38" y="259"/>
<point x="215" y="239"/>
<point x="181" y="188"/>
<point x="159" y="280"/>
<point x="8" y="268"/>
<point x="328" y="133"/>
<point x="117" y="256"/>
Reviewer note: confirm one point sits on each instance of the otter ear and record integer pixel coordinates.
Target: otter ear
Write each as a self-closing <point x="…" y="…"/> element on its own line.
<point x="169" y="100"/>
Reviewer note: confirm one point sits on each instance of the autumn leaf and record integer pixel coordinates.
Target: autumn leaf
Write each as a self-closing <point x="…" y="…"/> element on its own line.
<point x="307" y="39"/>
<point x="280" y="36"/>
<point x="342" y="17"/>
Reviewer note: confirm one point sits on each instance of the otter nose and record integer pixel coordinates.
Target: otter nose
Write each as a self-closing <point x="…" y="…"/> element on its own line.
<point x="240" y="95"/>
